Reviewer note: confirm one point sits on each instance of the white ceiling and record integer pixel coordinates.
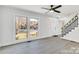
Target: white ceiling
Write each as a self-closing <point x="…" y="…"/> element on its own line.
<point x="65" y="9"/>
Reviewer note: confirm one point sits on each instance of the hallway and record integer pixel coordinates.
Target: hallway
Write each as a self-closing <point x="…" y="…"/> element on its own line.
<point x="49" y="45"/>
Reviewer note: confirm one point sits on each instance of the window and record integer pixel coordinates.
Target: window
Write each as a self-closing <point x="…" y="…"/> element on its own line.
<point x="33" y="27"/>
<point x="21" y="28"/>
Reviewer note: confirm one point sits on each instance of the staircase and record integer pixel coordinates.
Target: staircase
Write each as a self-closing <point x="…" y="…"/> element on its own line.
<point x="70" y="28"/>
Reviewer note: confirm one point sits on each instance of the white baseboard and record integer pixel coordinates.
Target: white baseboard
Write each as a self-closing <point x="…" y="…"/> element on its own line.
<point x="20" y="41"/>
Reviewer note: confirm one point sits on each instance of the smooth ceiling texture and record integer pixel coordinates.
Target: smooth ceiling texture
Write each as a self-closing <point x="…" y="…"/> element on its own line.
<point x="65" y="9"/>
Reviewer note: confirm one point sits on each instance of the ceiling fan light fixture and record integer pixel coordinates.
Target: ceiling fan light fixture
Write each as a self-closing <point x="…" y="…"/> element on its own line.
<point x="51" y="11"/>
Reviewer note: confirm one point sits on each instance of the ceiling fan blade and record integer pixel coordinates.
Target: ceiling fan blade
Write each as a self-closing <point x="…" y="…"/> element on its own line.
<point x="57" y="6"/>
<point x="45" y="8"/>
<point x="57" y="11"/>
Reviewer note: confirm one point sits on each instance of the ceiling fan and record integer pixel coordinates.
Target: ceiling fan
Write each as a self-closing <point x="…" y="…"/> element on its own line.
<point x="52" y="8"/>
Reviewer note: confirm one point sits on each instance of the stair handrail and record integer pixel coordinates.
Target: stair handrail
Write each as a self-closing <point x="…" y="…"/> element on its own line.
<point x="70" y="22"/>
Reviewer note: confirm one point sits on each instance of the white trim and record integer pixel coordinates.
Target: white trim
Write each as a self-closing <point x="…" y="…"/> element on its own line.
<point x="21" y="41"/>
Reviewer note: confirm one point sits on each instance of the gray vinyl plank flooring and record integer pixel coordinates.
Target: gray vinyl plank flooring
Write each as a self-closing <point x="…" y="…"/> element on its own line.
<point x="50" y="45"/>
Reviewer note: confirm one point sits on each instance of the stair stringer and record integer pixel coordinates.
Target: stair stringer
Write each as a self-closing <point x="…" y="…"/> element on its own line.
<point x="73" y="35"/>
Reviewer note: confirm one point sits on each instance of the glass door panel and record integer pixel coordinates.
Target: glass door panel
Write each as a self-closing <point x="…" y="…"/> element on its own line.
<point x="21" y="27"/>
<point x="33" y="30"/>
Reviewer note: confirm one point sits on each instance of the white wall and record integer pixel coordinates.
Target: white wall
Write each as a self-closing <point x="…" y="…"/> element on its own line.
<point x="7" y="25"/>
<point x="55" y="26"/>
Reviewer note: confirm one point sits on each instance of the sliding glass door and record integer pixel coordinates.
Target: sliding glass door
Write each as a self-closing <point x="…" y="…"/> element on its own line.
<point x="33" y="30"/>
<point x="26" y="28"/>
<point x="21" y="27"/>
